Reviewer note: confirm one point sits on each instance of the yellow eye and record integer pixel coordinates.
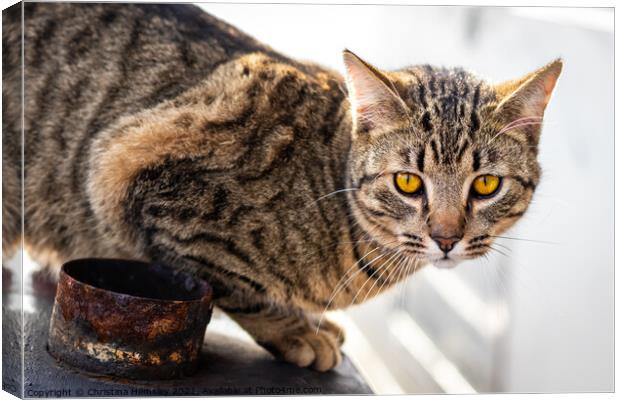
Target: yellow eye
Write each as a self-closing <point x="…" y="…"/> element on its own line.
<point x="407" y="183"/>
<point x="486" y="185"/>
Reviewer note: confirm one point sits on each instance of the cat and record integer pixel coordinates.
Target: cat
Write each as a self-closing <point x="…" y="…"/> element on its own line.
<point x="160" y="133"/>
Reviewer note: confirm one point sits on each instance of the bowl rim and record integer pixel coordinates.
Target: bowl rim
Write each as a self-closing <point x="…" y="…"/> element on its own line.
<point x="205" y="287"/>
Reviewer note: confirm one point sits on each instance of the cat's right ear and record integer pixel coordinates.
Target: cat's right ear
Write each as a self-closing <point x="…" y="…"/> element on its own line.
<point x="375" y="103"/>
<point x="525" y="99"/>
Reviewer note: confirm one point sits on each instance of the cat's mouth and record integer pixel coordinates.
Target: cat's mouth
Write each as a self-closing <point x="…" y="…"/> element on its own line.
<point x="461" y="252"/>
<point x="453" y="258"/>
<point x="440" y="261"/>
<point x="425" y="250"/>
<point x="445" y="262"/>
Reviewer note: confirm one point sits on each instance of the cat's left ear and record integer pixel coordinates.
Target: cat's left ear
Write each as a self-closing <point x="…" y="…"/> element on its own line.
<point x="375" y="104"/>
<point x="529" y="96"/>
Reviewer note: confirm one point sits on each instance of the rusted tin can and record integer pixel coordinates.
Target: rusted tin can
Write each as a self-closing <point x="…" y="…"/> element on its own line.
<point x="129" y="319"/>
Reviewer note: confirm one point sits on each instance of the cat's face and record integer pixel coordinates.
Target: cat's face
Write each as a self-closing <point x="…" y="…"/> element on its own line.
<point x="442" y="162"/>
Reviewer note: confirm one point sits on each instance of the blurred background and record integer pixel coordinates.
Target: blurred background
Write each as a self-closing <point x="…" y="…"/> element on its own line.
<point x="538" y="318"/>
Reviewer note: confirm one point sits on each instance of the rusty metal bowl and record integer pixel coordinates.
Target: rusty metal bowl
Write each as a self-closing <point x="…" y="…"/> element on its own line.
<point x="129" y="319"/>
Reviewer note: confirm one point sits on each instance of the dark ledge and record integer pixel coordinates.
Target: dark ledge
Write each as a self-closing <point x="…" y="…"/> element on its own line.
<point x="229" y="365"/>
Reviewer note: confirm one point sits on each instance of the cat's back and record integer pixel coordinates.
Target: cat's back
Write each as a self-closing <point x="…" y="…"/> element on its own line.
<point x="121" y="57"/>
<point x="66" y="32"/>
<point x="85" y="66"/>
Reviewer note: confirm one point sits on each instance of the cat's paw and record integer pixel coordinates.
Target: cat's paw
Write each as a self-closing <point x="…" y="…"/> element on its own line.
<point x="331" y="327"/>
<point x="318" y="349"/>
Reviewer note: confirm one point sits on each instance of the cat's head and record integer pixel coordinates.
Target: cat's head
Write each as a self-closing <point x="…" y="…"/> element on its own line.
<point x="443" y="161"/>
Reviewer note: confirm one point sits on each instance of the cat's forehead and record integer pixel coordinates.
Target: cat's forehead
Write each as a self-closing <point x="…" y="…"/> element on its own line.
<point x="448" y="105"/>
<point x="440" y="156"/>
<point x="431" y="83"/>
<point x="444" y="98"/>
<point x="453" y="125"/>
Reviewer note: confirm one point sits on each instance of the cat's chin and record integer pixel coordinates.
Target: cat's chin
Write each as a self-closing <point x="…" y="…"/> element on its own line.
<point x="445" y="263"/>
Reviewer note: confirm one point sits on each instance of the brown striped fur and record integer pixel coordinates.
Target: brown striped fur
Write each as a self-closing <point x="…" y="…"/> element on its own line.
<point x="157" y="132"/>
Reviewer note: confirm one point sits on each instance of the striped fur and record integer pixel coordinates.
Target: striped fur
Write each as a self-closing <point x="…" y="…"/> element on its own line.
<point x="157" y="132"/>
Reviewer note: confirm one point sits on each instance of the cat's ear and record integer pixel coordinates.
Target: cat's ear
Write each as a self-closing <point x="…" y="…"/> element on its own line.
<point x="374" y="100"/>
<point x="529" y="96"/>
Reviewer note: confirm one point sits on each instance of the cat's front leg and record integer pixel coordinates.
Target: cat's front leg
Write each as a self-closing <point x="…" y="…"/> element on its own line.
<point x="290" y="334"/>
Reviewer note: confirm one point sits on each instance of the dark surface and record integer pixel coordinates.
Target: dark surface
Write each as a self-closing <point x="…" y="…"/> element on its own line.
<point x="11" y="352"/>
<point x="227" y="366"/>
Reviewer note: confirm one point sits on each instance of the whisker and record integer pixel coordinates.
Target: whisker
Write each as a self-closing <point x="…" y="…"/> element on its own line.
<point x="500" y="252"/>
<point x="525" y="240"/>
<point x="331" y="194"/>
<point x="380" y="277"/>
<point x="503" y="246"/>
<point x="359" y="291"/>
<point x="514" y="127"/>
<point x="520" y="120"/>
<point x="511" y="126"/>
<point x="340" y="286"/>
<point x="359" y="269"/>
<point x="369" y="239"/>
<point x="398" y="271"/>
<point x="403" y="279"/>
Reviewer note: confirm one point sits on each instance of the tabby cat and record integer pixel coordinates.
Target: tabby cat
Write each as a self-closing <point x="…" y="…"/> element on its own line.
<point x="157" y="132"/>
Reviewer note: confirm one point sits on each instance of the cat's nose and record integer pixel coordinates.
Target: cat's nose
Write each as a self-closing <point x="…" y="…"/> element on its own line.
<point x="446" y="244"/>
